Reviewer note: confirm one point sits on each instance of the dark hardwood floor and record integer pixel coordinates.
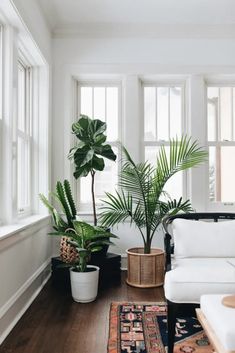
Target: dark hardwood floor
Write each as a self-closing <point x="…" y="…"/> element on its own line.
<point x="54" y="323"/>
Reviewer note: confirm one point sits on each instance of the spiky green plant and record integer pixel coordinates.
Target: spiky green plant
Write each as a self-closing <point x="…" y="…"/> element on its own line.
<point x="140" y="198"/>
<point x="63" y="196"/>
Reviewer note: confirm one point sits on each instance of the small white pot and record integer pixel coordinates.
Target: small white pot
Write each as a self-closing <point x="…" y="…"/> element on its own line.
<point x="84" y="285"/>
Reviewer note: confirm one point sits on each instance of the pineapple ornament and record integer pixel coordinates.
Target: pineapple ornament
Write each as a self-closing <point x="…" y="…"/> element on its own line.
<point x="68" y="253"/>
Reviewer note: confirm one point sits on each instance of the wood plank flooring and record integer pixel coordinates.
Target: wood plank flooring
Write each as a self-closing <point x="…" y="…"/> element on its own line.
<point x="54" y="323"/>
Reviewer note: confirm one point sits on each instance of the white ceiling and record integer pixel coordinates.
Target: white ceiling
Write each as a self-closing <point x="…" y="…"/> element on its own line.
<point x="64" y="14"/>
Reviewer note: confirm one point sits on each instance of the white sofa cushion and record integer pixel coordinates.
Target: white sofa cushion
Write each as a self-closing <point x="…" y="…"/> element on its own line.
<point x="203" y="239"/>
<point x="221" y="319"/>
<point x="191" y="278"/>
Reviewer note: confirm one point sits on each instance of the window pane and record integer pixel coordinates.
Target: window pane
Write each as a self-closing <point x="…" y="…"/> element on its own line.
<point x="174" y="187"/>
<point x="112" y="113"/>
<point x="23" y="173"/>
<point x="222" y="173"/>
<point x="225" y="113"/>
<point x="86" y="101"/>
<point x="150" y="113"/>
<point x="227" y="174"/>
<point x="104" y="102"/>
<point x="99" y="103"/>
<point x="105" y="181"/>
<point x="212" y="174"/>
<point x="211" y="120"/>
<point x="212" y="112"/>
<point x="213" y="93"/>
<point x="175" y="112"/>
<point x="233" y="103"/>
<point x="21" y="97"/>
<point x="163" y="113"/>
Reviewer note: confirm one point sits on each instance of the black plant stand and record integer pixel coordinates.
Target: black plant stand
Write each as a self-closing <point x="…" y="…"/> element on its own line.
<point x="110" y="272"/>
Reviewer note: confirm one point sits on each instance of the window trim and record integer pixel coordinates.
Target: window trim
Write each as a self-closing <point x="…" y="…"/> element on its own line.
<point x="27" y="135"/>
<point x="85" y="208"/>
<point x="220" y="83"/>
<point x="168" y="82"/>
<point x="15" y="46"/>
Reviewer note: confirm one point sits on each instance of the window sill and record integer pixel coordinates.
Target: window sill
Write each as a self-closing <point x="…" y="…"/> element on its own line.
<point x="23" y="224"/>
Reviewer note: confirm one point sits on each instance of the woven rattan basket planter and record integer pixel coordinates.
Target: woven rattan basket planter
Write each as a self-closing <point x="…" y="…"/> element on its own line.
<point x="145" y="270"/>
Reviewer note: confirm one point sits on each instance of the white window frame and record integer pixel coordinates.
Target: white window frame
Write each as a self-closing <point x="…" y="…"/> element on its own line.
<point x="86" y="208"/>
<point x="1" y="113"/>
<point x="158" y="143"/>
<point x="18" y="46"/>
<point x="217" y="205"/>
<point x="27" y="135"/>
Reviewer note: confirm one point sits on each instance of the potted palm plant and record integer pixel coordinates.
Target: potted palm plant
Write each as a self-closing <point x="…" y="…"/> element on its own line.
<point x="144" y="202"/>
<point x="86" y="239"/>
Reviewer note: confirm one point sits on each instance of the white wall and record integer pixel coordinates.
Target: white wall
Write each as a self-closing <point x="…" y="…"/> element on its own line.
<point x="25" y="267"/>
<point x="25" y="248"/>
<point x="34" y="21"/>
<point x="131" y="59"/>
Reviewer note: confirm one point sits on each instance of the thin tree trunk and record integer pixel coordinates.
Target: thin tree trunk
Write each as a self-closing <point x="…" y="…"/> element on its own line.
<point x="93" y="196"/>
<point x="147" y="248"/>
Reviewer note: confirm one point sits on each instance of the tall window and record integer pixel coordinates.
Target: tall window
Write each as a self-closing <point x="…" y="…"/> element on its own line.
<point x="163" y="120"/>
<point x="221" y="142"/>
<point x="1" y="119"/>
<point x="24" y="138"/>
<point x="101" y="101"/>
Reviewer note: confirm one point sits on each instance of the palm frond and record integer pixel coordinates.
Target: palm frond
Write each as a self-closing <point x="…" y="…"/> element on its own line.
<point x="142" y="188"/>
<point x="183" y="154"/>
<point x="116" y="208"/>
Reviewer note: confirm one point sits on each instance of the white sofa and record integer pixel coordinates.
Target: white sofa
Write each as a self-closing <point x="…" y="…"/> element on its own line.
<point x="203" y="262"/>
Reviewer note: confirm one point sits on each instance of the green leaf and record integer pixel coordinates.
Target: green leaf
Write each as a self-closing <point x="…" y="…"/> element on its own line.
<point x="106" y="151"/>
<point x="99" y="140"/>
<point x="97" y="163"/>
<point x="142" y="188"/>
<point x="69" y="197"/>
<point x="98" y="127"/>
<point x="81" y="171"/>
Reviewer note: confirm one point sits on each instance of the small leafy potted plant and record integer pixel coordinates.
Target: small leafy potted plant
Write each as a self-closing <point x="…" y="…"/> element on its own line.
<point x="86" y="239"/>
<point x="144" y="202"/>
<point x="89" y="153"/>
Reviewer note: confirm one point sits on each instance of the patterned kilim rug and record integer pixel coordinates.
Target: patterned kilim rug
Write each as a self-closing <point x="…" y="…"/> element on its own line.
<point x="142" y="328"/>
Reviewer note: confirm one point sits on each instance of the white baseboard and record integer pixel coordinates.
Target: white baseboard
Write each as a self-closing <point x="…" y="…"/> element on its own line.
<point x="16" y="306"/>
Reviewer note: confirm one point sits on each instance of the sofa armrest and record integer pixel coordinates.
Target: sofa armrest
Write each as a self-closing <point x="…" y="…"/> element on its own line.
<point x="168" y="251"/>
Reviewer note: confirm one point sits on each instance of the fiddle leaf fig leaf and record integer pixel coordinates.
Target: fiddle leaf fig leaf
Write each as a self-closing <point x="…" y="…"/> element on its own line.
<point x="106" y="151"/>
<point x="81" y="171"/>
<point x="98" y="163"/>
<point x="98" y="127"/>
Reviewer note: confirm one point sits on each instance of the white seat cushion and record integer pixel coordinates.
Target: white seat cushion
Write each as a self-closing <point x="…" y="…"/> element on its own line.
<point x="221" y="319"/>
<point x="203" y="239"/>
<point x="193" y="277"/>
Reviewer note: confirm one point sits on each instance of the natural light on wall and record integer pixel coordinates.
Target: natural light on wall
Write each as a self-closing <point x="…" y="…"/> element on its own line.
<point x="101" y="102"/>
<point x="221" y="143"/>
<point x="163" y="118"/>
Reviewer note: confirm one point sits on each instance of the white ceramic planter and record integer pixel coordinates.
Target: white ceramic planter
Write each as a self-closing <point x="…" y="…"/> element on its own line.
<point x="84" y="285"/>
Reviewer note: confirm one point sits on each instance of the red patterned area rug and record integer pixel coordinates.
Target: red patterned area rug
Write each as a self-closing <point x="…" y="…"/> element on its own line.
<point x="142" y="328"/>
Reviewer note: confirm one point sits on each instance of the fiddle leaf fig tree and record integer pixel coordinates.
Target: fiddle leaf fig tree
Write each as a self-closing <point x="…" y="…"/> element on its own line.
<point x="89" y="153"/>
